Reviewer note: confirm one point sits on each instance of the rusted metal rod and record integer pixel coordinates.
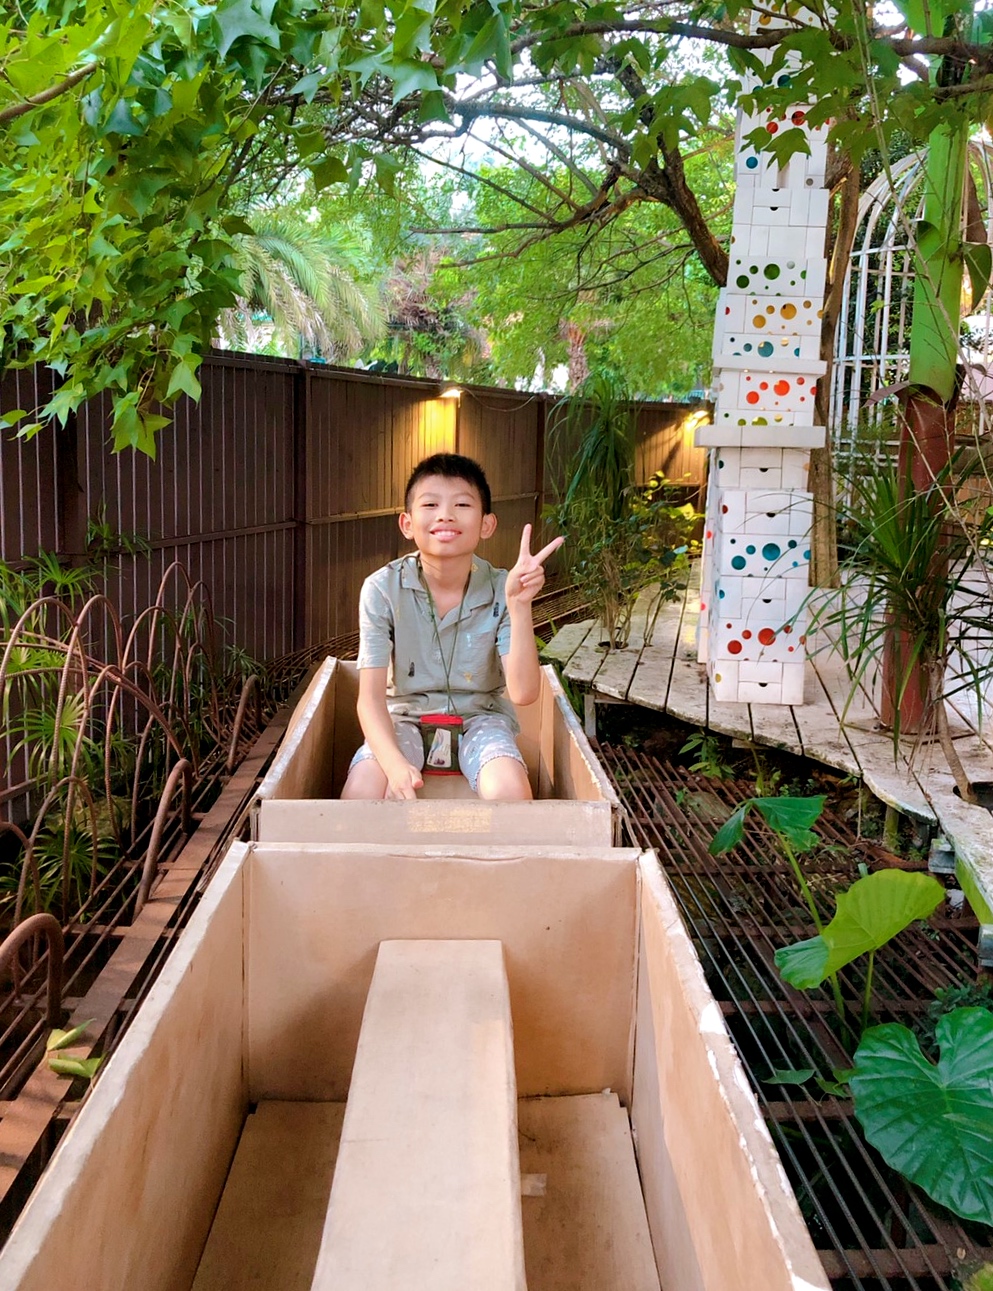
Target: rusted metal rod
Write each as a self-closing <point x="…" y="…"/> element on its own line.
<point x="251" y="687"/>
<point x="183" y="770"/>
<point x="49" y="927"/>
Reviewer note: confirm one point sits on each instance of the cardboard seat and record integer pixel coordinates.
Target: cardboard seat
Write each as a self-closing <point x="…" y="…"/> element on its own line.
<point x="426" y="1192"/>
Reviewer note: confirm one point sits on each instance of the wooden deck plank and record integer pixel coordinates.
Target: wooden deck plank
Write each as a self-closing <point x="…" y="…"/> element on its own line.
<point x="619" y="666"/>
<point x="588" y="1231"/>
<point x="267" y="1230"/>
<point x="566" y="642"/>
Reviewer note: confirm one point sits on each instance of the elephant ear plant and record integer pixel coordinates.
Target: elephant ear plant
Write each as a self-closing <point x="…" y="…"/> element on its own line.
<point x="933" y="1122"/>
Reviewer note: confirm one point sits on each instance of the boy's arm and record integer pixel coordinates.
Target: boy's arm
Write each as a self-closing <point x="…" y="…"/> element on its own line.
<point x="377" y="727"/>
<point x="524" y="582"/>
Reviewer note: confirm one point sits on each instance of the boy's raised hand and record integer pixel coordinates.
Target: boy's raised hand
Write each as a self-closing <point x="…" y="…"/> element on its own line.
<point x="527" y="577"/>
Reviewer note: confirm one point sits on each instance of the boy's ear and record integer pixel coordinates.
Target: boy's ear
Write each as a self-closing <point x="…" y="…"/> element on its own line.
<point x="489" y="525"/>
<point x="406" y="525"/>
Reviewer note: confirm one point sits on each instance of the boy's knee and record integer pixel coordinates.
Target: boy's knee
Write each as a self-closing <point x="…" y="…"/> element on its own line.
<point x="504" y="780"/>
<point x="366" y="780"/>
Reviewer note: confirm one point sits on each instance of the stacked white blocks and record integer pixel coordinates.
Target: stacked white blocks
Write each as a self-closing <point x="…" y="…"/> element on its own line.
<point x="766" y="367"/>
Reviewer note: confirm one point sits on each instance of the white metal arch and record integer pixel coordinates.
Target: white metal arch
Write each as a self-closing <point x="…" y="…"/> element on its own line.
<point x="871" y="351"/>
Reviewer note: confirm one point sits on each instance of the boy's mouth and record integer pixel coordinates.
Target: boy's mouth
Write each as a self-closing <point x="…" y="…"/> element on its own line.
<point x="445" y="533"/>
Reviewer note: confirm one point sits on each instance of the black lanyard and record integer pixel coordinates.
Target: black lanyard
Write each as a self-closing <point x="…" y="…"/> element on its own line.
<point x="437" y="634"/>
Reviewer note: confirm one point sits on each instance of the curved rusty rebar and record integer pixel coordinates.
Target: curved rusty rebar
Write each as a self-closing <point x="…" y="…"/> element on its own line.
<point x="183" y="770"/>
<point x="49" y="926"/>
<point x="250" y="687"/>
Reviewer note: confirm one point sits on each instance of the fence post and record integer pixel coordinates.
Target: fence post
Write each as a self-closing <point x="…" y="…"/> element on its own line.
<point x="70" y="498"/>
<point x="301" y="444"/>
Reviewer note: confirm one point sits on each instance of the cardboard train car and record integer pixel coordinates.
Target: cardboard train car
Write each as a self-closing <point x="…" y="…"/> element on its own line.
<point x="444" y="1045"/>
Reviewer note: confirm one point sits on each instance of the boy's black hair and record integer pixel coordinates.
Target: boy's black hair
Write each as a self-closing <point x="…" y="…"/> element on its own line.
<point x="451" y="466"/>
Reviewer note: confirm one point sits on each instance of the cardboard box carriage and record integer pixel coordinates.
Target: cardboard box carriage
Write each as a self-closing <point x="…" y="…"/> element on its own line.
<point x="297" y="801"/>
<point x="205" y="1157"/>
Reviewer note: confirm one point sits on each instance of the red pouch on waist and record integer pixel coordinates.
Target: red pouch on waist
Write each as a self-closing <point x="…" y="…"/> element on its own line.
<point x="441" y="733"/>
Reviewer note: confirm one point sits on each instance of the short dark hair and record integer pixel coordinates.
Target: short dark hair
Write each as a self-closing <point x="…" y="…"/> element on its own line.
<point x="451" y="466"/>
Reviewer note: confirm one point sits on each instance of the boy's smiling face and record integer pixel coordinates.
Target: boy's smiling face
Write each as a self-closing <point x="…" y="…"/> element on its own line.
<point x="446" y="518"/>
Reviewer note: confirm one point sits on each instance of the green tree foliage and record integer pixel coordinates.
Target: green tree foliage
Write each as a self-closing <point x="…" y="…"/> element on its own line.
<point x="122" y="124"/>
<point x="127" y="125"/>
<point x="312" y="286"/>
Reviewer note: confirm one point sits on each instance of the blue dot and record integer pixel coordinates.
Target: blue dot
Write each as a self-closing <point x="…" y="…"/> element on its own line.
<point x="806" y="555"/>
<point x="719" y="463"/>
<point x="720" y="595"/>
<point x="750" y="550"/>
<point x="738" y="562"/>
<point x="785" y="79"/>
<point x="771" y="551"/>
<point x="766" y="348"/>
<point x="792" y="543"/>
<point x="796" y="564"/>
<point x="752" y="162"/>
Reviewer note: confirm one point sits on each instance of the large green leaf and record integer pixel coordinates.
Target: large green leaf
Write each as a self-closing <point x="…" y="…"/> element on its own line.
<point x="873" y="910"/>
<point x="933" y="1123"/>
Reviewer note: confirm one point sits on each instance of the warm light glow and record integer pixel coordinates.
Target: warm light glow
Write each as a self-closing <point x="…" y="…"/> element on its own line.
<point x="451" y="392"/>
<point x="695" y="420"/>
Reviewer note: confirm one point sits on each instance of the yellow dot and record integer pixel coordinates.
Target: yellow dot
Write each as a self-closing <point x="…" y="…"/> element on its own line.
<point x="788" y="311"/>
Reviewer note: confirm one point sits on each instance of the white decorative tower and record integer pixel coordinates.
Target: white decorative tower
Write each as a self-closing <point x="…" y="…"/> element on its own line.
<point x="766" y="366"/>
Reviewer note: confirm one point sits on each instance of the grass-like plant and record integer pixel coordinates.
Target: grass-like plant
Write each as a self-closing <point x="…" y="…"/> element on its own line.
<point x="916" y="594"/>
<point x="620" y="537"/>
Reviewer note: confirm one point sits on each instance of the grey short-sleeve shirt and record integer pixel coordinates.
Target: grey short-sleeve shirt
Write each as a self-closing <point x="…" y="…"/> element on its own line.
<point x="397" y="630"/>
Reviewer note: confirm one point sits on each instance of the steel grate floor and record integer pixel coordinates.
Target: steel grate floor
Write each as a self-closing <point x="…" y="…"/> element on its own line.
<point x="872" y="1230"/>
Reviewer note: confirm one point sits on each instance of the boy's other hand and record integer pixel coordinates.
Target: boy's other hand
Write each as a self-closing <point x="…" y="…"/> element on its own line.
<point x="402" y="783"/>
<point x="527" y="578"/>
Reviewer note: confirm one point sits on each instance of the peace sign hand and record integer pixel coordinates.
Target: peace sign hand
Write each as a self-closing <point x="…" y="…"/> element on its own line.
<point x="527" y="578"/>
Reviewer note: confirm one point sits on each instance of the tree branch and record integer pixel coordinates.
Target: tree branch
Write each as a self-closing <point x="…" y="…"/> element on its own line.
<point x="46" y="96"/>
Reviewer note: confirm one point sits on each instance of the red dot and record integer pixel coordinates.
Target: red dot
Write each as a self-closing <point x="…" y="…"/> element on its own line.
<point x="788" y="628"/>
<point x="800" y="381"/>
<point x="710" y="533"/>
<point x="772" y="127"/>
<point x="724" y="509"/>
<point x="767" y="636"/>
<point x="798" y="118"/>
<point x="747" y="635"/>
<point x="782" y="387"/>
<point x="734" y="647"/>
<point x="752" y="396"/>
<point x="789" y="649"/>
<point x="764" y="385"/>
<point x="803" y="640"/>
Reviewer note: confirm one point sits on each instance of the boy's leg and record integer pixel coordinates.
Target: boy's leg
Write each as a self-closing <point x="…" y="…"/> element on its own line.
<point x="366" y="778"/>
<point x="504" y="780"/>
<point x="491" y="761"/>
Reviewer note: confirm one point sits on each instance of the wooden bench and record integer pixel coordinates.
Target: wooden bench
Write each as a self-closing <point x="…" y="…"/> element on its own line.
<point x="426" y="1191"/>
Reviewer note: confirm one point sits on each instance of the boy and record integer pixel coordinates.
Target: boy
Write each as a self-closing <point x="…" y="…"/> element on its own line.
<point x="445" y="621"/>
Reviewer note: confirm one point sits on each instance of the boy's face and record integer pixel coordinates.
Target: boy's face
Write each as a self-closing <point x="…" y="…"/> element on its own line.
<point x="446" y="517"/>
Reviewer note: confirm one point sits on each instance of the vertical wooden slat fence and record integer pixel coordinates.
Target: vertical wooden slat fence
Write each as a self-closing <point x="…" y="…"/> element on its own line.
<point x="280" y="489"/>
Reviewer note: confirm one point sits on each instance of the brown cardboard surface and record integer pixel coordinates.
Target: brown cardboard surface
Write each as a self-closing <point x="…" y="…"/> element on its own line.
<point x="426" y="1192"/>
<point x="267" y="1231"/>
<point x="302" y="768"/>
<point x="585" y="1230"/>
<point x="127" y="1200"/>
<point x="459" y="821"/>
<point x="566" y="917"/>
<point x="735" y="1201"/>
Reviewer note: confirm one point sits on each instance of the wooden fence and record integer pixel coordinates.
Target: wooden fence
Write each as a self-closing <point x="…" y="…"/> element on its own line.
<point x="280" y="489"/>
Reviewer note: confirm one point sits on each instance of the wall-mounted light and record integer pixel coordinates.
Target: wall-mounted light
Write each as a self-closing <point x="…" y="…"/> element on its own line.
<point x="695" y="420"/>
<point x="451" y="392"/>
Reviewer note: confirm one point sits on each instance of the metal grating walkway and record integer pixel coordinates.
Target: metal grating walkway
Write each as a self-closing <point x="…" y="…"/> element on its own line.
<point x="872" y="1230"/>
